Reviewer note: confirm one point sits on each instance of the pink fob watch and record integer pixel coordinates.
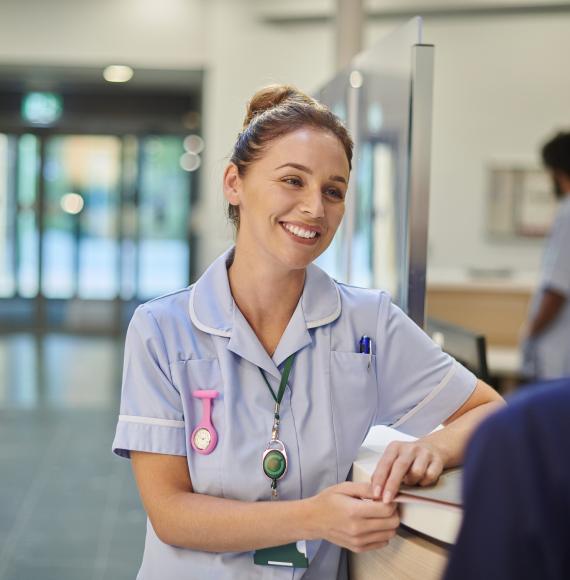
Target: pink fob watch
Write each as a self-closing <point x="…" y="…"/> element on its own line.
<point x="204" y="437"/>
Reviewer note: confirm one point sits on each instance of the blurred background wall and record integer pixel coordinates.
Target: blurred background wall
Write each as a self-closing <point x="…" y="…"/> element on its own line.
<point x="499" y="85"/>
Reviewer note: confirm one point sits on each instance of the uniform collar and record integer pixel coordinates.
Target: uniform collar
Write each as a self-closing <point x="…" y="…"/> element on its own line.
<point x="213" y="310"/>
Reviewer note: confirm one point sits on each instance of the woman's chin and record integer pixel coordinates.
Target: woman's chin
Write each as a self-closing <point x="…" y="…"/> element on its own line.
<point x="298" y="259"/>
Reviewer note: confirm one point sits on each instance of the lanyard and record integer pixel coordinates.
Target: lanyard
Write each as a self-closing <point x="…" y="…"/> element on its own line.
<point x="284" y="378"/>
<point x="274" y="460"/>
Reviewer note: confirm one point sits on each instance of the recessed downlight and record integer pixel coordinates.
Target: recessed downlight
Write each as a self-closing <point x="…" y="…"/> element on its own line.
<point x="118" y="73"/>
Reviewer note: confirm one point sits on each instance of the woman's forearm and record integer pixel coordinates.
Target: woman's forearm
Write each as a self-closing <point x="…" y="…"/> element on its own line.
<point x="202" y="522"/>
<point x="452" y="440"/>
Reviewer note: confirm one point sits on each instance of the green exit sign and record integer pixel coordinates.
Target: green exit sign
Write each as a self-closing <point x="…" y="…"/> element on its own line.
<point x="42" y="108"/>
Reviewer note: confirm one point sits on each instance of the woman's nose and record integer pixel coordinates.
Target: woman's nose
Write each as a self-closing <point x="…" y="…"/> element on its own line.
<point x="312" y="203"/>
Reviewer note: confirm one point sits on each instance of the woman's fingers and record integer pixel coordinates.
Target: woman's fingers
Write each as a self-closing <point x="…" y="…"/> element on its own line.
<point x="353" y="489"/>
<point x="351" y="521"/>
<point x="373" y="525"/>
<point x="384" y="468"/>
<point x="411" y="463"/>
<point x="372" y="541"/>
<point x="418" y="470"/>
<point x="399" y="469"/>
<point x="434" y="470"/>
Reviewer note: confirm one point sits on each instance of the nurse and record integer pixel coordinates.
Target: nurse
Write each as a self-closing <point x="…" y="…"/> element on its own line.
<point x="246" y="396"/>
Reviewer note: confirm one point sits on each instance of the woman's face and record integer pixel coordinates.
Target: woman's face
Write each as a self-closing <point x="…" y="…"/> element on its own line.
<point x="291" y="200"/>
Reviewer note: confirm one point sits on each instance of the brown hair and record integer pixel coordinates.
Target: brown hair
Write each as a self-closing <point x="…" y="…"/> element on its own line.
<point x="274" y="111"/>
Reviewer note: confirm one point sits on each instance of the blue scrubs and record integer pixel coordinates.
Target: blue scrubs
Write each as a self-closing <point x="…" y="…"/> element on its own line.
<point x="197" y="338"/>
<point x="516" y="492"/>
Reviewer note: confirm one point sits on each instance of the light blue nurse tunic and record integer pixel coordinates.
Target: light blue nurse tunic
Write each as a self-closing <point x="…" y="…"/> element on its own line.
<point x="197" y="338"/>
<point x="547" y="356"/>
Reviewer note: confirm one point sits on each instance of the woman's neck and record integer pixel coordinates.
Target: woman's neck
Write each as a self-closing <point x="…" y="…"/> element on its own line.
<point x="266" y="294"/>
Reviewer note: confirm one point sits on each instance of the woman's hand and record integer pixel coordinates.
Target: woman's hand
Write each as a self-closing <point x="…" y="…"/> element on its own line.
<point x="412" y="463"/>
<point x="345" y="515"/>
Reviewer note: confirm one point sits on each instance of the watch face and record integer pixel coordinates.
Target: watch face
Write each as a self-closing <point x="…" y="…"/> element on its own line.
<point x="202" y="438"/>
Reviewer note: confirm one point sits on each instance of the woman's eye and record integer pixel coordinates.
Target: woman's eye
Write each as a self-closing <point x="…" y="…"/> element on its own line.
<point x="293" y="181"/>
<point x="334" y="192"/>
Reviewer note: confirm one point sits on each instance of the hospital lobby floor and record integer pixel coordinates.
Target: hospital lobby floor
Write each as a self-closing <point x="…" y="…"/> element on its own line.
<point x="69" y="509"/>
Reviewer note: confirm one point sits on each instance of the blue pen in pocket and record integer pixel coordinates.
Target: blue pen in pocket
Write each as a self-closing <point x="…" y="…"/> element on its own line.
<point x="365" y="347"/>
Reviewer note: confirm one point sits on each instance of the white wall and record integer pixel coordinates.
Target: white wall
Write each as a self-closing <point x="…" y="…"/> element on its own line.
<point x="500" y="89"/>
<point x="146" y="33"/>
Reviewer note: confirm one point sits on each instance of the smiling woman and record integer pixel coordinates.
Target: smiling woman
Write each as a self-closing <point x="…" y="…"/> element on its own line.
<point x="250" y="386"/>
<point x="294" y="193"/>
<point x="275" y="111"/>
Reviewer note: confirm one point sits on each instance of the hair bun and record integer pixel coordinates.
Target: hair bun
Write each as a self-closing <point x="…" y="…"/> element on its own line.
<point x="272" y="96"/>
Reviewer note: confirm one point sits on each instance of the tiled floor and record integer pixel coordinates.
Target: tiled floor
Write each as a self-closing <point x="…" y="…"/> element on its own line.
<point x="69" y="509"/>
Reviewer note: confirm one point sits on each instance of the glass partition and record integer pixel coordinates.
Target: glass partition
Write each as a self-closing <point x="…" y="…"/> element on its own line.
<point x="385" y="98"/>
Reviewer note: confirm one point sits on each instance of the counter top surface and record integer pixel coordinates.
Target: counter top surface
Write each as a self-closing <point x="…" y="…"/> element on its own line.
<point x="495" y="280"/>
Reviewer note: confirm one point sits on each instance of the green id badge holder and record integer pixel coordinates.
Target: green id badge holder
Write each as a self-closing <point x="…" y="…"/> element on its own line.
<point x="293" y="555"/>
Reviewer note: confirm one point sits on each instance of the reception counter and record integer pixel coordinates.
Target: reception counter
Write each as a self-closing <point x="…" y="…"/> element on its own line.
<point x="496" y="308"/>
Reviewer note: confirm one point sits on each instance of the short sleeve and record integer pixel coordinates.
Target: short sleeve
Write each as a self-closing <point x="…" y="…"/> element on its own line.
<point x="151" y="417"/>
<point x="419" y="385"/>
<point x="556" y="264"/>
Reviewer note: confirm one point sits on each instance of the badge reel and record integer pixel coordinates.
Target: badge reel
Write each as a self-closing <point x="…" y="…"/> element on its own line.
<point x="204" y="438"/>
<point x="274" y="459"/>
<point x="274" y="463"/>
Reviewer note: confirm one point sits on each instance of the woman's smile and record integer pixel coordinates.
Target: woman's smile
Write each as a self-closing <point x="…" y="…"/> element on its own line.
<point x="302" y="233"/>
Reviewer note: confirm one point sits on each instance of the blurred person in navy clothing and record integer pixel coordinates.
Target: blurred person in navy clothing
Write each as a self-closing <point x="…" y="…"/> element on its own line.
<point x="546" y="339"/>
<point x="517" y="492"/>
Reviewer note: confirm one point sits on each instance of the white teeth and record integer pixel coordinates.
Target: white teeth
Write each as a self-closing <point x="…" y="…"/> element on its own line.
<point x="301" y="233"/>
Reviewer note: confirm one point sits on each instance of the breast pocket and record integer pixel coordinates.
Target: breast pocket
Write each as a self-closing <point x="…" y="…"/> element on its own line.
<point x="191" y="376"/>
<point x="354" y="397"/>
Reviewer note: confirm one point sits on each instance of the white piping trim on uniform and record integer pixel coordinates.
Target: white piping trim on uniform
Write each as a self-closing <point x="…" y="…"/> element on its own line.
<point x="331" y="317"/>
<point x="427" y="399"/>
<point x="218" y="332"/>
<point x="152" y="421"/>
<point x="201" y="326"/>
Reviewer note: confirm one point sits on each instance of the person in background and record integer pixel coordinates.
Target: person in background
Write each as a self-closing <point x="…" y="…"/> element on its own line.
<point x="546" y="338"/>
<point x="516" y="492"/>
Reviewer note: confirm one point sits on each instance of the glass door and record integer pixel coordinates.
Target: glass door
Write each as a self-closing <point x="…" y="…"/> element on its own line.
<point x="80" y="234"/>
<point x="90" y="226"/>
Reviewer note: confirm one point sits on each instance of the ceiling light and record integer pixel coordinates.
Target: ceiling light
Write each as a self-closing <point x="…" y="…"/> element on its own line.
<point x="118" y="73"/>
<point x="72" y="203"/>
<point x="356" y="79"/>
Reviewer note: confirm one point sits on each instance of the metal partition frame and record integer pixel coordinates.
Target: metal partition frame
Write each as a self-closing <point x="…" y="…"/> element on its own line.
<point x="419" y="180"/>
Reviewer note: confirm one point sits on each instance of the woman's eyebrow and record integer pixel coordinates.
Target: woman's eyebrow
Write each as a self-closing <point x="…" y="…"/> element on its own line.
<point x="310" y="172"/>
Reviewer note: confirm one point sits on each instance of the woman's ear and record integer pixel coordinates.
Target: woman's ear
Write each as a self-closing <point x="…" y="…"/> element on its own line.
<point x="232" y="184"/>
